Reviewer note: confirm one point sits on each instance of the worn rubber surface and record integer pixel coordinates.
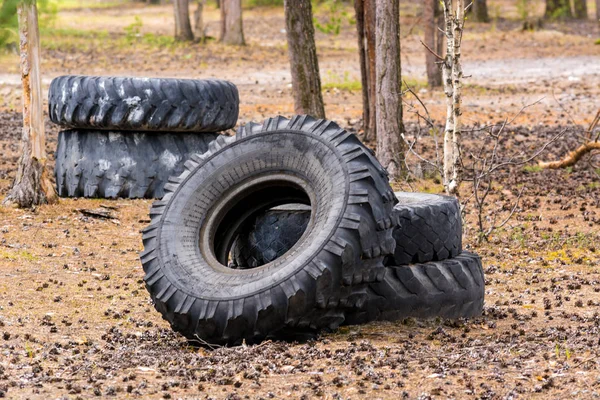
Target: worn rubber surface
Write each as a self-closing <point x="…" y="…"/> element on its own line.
<point x="91" y="163"/>
<point x="452" y="288"/>
<point x="270" y="235"/>
<point x="143" y="104"/>
<point x="429" y="229"/>
<point x="300" y="160"/>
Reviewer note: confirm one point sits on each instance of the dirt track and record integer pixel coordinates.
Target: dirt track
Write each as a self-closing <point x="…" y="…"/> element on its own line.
<point x="76" y="321"/>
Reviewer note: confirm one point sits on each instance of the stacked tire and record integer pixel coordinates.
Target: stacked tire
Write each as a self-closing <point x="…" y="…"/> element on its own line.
<point x="288" y="226"/>
<point x="126" y="136"/>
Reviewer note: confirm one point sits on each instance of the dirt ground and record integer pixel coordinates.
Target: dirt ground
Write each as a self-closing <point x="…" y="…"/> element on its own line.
<point x="77" y="322"/>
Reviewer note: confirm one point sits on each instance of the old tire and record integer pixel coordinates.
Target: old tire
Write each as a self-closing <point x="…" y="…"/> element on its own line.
<point x="452" y="288"/>
<point x="429" y="228"/>
<point x="112" y="164"/>
<point x="143" y="104"/>
<point x="282" y="161"/>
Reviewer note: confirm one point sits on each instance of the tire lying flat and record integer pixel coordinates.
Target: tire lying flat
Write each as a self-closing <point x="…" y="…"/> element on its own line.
<point x="452" y="288"/>
<point x="114" y="164"/>
<point x="302" y="160"/>
<point x="429" y="228"/>
<point x="143" y="104"/>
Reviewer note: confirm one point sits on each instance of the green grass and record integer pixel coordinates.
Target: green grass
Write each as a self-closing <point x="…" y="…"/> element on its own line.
<point x="93" y="4"/>
<point x="532" y="169"/>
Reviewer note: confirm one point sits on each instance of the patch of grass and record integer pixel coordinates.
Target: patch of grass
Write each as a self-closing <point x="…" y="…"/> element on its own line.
<point x="341" y="82"/>
<point x="19" y="255"/>
<point x="532" y="169"/>
<point x="597" y="42"/>
<point x="262" y="3"/>
<point x="92" y="4"/>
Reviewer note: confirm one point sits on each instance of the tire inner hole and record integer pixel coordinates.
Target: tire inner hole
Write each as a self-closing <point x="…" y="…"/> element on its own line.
<point x="261" y="225"/>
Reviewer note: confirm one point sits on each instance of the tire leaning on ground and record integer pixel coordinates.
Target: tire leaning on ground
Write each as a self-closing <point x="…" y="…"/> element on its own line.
<point x="143" y="104"/>
<point x="429" y="229"/>
<point x="452" y="288"/>
<point x="301" y="160"/>
<point x="91" y="163"/>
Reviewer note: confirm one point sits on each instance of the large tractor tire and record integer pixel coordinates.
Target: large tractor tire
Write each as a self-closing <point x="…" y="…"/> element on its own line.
<point x="452" y="288"/>
<point x="187" y="247"/>
<point x="143" y="104"/>
<point x="108" y="164"/>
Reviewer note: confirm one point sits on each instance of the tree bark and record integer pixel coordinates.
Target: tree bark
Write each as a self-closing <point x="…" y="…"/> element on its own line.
<point x="183" y="28"/>
<point x="390" y="142"/>
<point x="199" y="28"/>
<point x="558" y="9"/>
<point x="581" y="11"/>
<point x="480" y="11"/>
<point x="31" y="185"/>
<point x="434" y="72"/>
<point x="232" y="30"/>
<point x="598" y="11"/>
<point x="370" y="21"/>
<point x="452" y="76"/>
<point x="359" y="10"/>
<point x="306" y="81"/>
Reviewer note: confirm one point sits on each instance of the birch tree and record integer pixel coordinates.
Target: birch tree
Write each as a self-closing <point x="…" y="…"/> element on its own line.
<point x="31" y="185"/>
<point x="306" y="81"/>
<point x="183" y="27"/>
<point x="232" y="29"/>
<point x="452" y="76"/>
<point x="391" y="146"/>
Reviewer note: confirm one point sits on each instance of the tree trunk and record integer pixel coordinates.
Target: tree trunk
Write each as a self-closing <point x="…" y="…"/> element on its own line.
<point x="598" y="11"/>
<point x="31" y="185"/>
<point x="558" y="9"/>
<point x="480" y="11"/>
<point x="370" y="21"/>
<point x="452" y="76"/>
<point x="434" y="72"/>
<point x="365" y="25"/>
<point x="390" y="142"/>
<point x="580" y="7"/>
<point x="183" y="28"/>
<point x="199" y="28"/>
<point x="306" y="81"/>
<point x="359" y="10"/>
<point x="441" y="37"/>
<point x="232" y="30"/>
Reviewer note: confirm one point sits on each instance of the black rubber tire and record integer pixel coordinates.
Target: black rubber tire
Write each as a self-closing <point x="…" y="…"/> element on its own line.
<point x="112" y="164"/>
<point x="143" y="104"/>
<point x="452" y="288"/>
<point x="279" y="162"/>
<point x="270" y="235"/>
<point x="429" y="228"/>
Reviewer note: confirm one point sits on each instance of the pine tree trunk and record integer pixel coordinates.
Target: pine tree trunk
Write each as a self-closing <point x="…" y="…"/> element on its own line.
<point x="480" y="11"/>
<point x="390" y="143"/>
<point x="183" y="28"/>
<point x="434" y="72"/>
<point x="199" y="29"/>
<point x="31" y="185"/>
<point x="306" y="81"/>
<point x="558" y="9"/>
<point x="359" y="10"/>
<point x="370" y="21"/>
<point x="440" y="43"/>
<point x="232" y="30"/>
<point x="580" y="7"/>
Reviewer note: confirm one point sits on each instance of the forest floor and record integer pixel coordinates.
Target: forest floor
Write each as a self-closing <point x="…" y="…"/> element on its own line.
<point x="77" y="322"/>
